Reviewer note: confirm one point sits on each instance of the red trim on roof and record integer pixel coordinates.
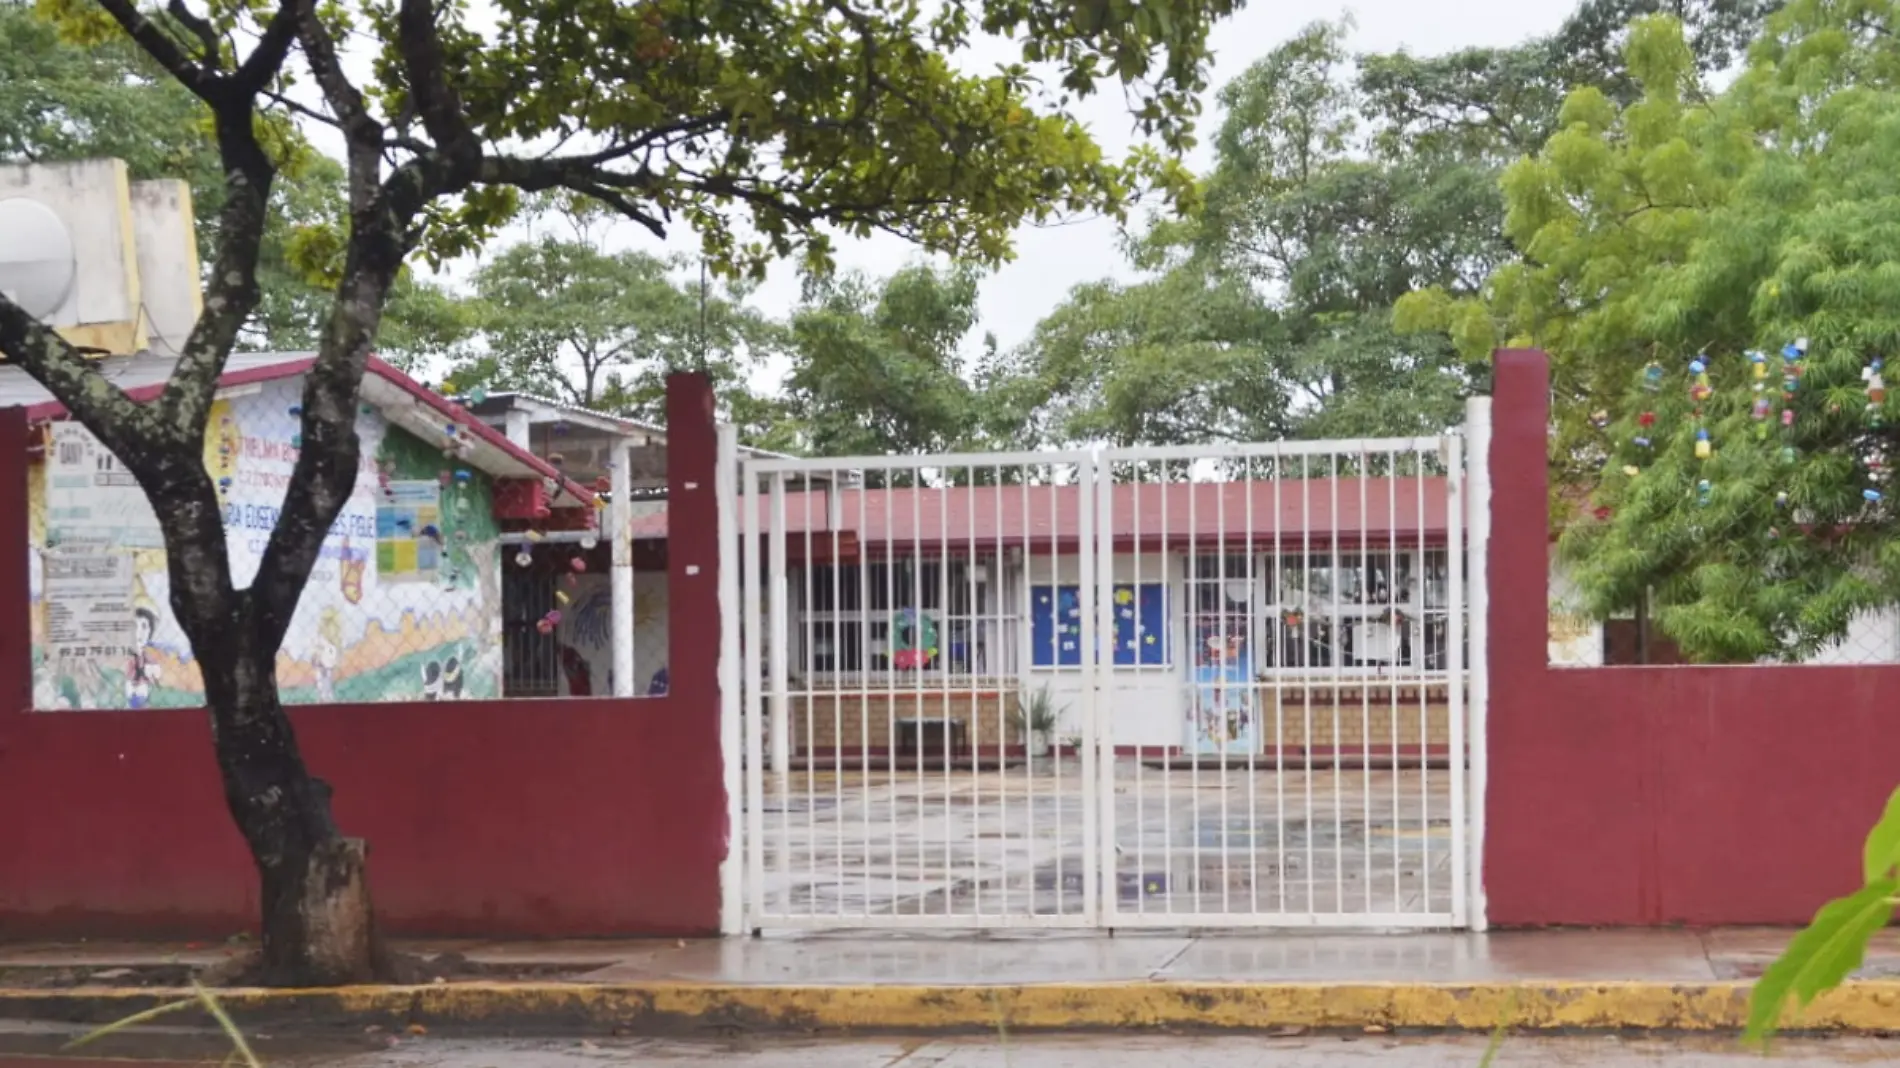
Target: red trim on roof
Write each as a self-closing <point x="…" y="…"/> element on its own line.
<point x="1319" y="511"/>
<point x="292" y="367"/>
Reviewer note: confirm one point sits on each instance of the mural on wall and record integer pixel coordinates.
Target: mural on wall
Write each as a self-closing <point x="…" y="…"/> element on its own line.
<point x="425" y="626"/>
<point x="1221" y="706"/>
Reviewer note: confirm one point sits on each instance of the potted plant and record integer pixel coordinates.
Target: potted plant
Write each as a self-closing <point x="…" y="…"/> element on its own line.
<point x="1033" y="721"/>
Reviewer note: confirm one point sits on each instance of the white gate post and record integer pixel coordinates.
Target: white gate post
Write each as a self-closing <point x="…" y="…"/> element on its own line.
<point x="620" y="580"/>
<point x="732" y="864"/>
<point x="1478" y="604"/>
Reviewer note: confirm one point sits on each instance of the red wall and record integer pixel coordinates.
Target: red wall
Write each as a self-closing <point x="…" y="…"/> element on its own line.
<point x="493" y="819"/>
<point x="1659" y="795"/>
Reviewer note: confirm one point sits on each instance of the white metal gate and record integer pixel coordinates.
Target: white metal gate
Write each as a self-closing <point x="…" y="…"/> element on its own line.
<point x="1205" y="686"/>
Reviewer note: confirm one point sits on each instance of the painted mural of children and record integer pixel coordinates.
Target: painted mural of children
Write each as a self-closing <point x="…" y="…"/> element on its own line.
<point x="328" y="651"/>
<point x="143" y="672"/>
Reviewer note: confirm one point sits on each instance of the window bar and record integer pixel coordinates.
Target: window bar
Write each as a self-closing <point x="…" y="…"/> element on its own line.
<point x="1055" y="568"/>
<point x="1137" y="491"/>
<point x="779" y="575"/>
<point x="1307" y="632"/>
<point x="1055" y="645"/>
<point x="939" y="660"/>
<point x="1392" y="542"/>
<point x="868" y="764"/>
<point x="1278" y="630"/>
<point x="971" y="629"/>
<point x="889" y="679"/>
<point x="1256" y="693"/>
<point x="836" y="618"/>
<point x="1339" y="667"/>
<point x="752" y="645"/>
<point x="809" y="692"/>
<point x="1220" y="569"/>
<point x="1455" y="679"/>
<point x="1002" y="723"/>
<point x="1191" y="693"/>
<point x="1365" y="685"/>
<point x="916" y="617"/>
<point x="1424" y="723"/>
<point x="1201" y="711"/>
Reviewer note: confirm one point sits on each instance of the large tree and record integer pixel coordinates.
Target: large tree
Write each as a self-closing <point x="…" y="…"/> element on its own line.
<point x="1681" y="228"/>
<point x="878" y="365"/>
<point x="603" y="329"/>
<point x="758" y="123"/>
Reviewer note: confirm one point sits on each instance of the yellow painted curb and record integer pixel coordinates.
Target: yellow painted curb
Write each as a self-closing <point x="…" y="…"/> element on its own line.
<point x="674" y="1007"/>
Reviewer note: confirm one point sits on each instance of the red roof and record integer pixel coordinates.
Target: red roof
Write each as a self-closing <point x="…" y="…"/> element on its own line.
<point x="1284" y="510"/>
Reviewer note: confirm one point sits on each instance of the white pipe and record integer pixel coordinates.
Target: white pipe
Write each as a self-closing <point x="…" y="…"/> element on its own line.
<point x="731" y="865"/>
<point x="618" y="523"/>
<point x="1478" y="632"/>
<point x="551" y="537"/>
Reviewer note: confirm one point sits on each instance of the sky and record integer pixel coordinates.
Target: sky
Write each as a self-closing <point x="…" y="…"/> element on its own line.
<point x="1053" y="259"/>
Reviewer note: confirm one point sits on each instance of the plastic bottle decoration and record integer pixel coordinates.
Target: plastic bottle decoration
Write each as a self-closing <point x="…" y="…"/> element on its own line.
<point x="462" y="475"/>
<point x="1700" y="391"/>
<point x="524" y="558"/>
<point x="561" y="598"/>
<point x="578" y="564"/>
<point x="1757" y="366"/>
<point x="1781" y="499"/>
<point x="1652" y="378"/>
<point x="1600" y="418"/>
<point x="1760" y="411"/>
<point x="1787" y="455"/>
<point x="1876" y="392"/>
<point x="1703" y="490"/>
<point x="1632" y="470"/>
<point x="1872" y="495"/>
<point x="588" y="540"/>
<point x="1703" y="447"/>
<point x="444" y="476"/>
<point x="477" y="395"/>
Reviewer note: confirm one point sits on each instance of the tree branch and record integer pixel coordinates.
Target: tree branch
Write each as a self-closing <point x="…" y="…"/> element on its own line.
<point x="363" y="135"/>
<point x="75" y="382"/>
<point x="158" y="44"/>
<point x="436" y="102"/>
<point x="200" y="28"/>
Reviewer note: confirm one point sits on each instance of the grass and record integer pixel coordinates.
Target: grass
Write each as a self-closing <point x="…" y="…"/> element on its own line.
<point x="241" y="1052"/>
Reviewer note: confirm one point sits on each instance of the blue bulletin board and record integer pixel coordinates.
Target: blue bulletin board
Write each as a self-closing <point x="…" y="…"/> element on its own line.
<point x="1141" y="625"/>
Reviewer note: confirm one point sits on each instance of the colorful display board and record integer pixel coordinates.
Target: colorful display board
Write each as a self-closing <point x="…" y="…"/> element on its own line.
<point x="403" y="603"/>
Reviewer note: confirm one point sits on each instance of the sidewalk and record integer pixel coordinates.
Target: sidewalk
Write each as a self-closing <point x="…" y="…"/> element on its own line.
<point x="1047" y="981"/>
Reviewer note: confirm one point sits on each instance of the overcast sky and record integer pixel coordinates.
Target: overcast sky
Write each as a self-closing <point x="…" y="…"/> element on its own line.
<point x="1051" y="260"/>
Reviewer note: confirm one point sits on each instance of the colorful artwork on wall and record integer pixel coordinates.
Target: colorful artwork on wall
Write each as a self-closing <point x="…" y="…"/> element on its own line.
<point x="362" y="632"/>
<point x="1140" y="615"/>
<point x="1222" y="704"/>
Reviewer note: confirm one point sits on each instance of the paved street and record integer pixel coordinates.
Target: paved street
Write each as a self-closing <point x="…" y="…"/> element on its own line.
<point x="1124" y="1051"/>
<point x="1209" y="841"/>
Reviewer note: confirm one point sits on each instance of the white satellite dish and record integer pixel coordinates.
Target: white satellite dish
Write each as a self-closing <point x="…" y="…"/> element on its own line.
<point x="37" y="265"/>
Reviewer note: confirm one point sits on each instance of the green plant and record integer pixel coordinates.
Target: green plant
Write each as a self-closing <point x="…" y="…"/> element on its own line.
<point x="1035" y="716"/>
<point x="1834" y="943"/>
<point x="241" y="1052"/>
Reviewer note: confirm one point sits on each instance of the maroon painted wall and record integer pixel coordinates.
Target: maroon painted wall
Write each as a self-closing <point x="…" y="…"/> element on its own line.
<point x="1658" y="795"/>
<point x="493" y="819"/>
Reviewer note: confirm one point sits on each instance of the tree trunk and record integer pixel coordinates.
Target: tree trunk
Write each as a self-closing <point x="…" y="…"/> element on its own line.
<point x="318" y="925"/>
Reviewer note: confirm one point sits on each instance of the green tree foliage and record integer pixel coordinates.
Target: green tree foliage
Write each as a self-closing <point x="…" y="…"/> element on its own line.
<point x="1680" y="226"/>
<point x="602" y="330"/>
<point x="1336" y="190"/>
<point x="763" y="125"/>
<point x="877" y="367"/>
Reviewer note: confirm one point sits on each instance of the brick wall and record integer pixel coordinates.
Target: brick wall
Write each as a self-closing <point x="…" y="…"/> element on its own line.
<point x="823" y="722"/>
<point x="1351" y="717"/>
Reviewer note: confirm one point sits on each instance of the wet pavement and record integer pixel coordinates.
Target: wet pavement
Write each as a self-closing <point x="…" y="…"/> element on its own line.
<point x="1124" y="1052"/>
<point x="1203" y="841"/>
<point x="1032" y="957"/>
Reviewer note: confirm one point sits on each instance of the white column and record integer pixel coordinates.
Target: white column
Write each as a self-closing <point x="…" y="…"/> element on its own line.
<point x="618" y="522"/>
<point x="731" y="741"/>
<point x="778" y="608"/>
<point x="1478" y="632"/>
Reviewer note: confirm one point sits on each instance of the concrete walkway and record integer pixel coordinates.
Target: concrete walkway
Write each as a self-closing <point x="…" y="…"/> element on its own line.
<point x="1677" y="981"/>
<point x="1045" y="957"/>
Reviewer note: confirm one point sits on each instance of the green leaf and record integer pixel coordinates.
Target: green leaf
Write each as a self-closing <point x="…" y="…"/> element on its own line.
<point x="1819" y="958"/>
<point x="1882" y="852"/>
